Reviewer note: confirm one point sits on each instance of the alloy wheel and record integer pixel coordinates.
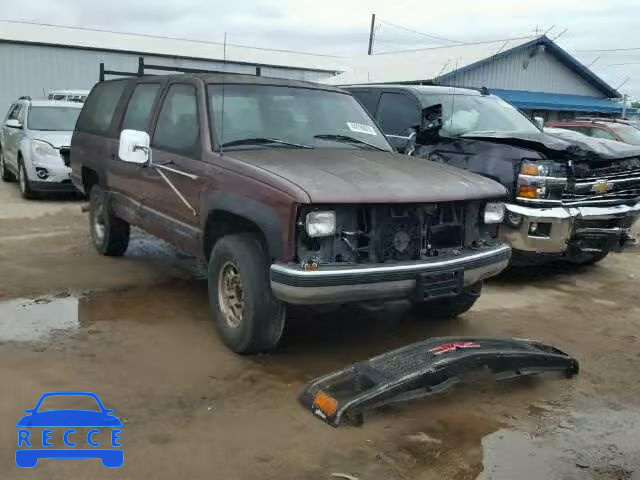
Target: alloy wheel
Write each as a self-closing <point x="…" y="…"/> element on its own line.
<point x="231" y="294"/>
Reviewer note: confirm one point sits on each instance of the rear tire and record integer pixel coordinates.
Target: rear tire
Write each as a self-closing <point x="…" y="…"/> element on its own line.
<point x="109" y="234"/>
<point x="451" y="307"/>
<point x="247" y="316"/>
<point x="5" y="174"/>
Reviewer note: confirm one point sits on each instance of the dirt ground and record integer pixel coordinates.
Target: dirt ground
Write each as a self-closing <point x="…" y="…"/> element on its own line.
<point x="137" y="331"/>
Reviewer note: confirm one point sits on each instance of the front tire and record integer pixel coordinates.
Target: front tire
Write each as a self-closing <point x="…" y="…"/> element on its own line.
<point x="588" y="258"/>
<point x="109" y="234"/>
<point x="248" y="317"/>
<point x="451" y="307"/>
<point x="23" y="181"/>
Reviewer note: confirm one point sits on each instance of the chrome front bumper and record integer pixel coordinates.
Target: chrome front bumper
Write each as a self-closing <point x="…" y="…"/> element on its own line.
<point x="329" y="284"/>
<point x="562" y="222"/>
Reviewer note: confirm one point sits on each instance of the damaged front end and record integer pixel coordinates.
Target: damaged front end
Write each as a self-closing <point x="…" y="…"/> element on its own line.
<point x="350" y="253"/>
<point x="426" y="368"/>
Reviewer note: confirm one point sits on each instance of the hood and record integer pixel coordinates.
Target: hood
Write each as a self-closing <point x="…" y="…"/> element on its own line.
<point x="562" y="146"/>
<point x="57" y="139"/>
<point x="364" y="176"/>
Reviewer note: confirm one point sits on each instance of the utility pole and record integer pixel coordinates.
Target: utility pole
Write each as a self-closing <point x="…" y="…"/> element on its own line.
<point x="624" y="105"/>
<point x="372" y="33"/>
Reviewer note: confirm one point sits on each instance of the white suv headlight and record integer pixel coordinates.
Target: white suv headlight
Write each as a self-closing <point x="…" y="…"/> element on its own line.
<point x="494" y="212"/>
<point x="321" y="223"/>
<point x="43" y="149"/>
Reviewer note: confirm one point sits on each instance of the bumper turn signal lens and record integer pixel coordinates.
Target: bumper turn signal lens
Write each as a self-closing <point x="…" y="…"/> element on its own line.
<point x="528" y="191"/>
<point x="324" y="402"/>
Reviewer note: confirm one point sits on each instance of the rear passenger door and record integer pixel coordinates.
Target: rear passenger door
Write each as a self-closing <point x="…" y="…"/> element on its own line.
<point x="176" y="180"/>
<point x="130" y="180"/>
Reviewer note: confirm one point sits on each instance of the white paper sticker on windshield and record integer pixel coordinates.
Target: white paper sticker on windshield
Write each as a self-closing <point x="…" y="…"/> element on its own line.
<point x="361" y="128"/>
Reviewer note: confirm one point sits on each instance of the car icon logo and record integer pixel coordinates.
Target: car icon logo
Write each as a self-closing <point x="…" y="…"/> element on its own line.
<point x="34" y="445"/>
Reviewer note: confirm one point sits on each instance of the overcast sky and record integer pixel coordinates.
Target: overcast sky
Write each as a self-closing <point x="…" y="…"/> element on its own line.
<point x="341" y="27"/>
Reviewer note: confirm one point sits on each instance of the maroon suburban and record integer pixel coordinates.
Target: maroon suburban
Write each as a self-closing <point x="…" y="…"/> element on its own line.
<point x="291" y="193"/>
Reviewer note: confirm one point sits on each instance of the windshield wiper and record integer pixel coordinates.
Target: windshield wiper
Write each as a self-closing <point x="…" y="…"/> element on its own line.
<point x="263" y="141"/>
<point x="348" y="139"/>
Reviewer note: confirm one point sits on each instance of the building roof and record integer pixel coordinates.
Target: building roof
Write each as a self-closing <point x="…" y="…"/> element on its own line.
<point x="558" y="101"/>
<point x="84" y="38"/>
<point x="437" y="64"/>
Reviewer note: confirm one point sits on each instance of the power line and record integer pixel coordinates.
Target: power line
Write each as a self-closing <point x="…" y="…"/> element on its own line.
<point x="420" y="33"/>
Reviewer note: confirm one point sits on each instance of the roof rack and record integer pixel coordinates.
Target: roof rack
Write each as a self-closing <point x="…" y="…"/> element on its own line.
<point x="142" y="66"/>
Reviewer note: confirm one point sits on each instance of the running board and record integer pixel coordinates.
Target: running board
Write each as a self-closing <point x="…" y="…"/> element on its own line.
<point x="426" y="368"/>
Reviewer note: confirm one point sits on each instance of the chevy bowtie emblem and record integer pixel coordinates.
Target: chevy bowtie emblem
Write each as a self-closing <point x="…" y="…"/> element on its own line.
<point x="602" y="186"/>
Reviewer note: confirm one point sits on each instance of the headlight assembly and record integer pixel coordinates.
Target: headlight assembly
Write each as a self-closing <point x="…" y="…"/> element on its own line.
<point x="321" y="223"/>
<point x="494" y="212"/>
<point x="542" y="180"/>
<point x="43" y="149"/>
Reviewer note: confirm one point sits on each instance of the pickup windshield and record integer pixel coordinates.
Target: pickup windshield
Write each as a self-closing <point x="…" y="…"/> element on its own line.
<point x="466" y="114"/>
<point x="290" y="117"/>
<point x="53" y="118"/>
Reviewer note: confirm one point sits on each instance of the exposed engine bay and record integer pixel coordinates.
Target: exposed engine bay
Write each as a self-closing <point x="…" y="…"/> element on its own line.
<point x="403" y="232"/>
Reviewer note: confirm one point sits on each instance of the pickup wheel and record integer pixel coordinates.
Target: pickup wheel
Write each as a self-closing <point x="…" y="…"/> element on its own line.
<point x="110" y="234"/>
<point x="451" y="307"/>
<point x="247" y="315"/>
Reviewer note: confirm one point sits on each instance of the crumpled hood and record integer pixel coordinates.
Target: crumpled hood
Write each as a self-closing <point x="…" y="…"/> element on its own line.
<point x="364" y="176"/>
<point x="565" y="146"/>
<point x="57" y="139"/>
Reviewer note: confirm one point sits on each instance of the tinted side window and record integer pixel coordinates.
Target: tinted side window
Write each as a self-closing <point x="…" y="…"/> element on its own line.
<point x="13" y="112"/>
<point x="140" y="106"/>
<point x="368" y="99"/>
<point x="601" y="133"/>
<point x="397" y="113"/>
<point x="100" y="106"/>
<point x="177" y="128"/>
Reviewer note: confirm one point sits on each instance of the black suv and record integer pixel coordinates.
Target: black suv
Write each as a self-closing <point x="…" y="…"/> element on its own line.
<point x="571" y="197"/>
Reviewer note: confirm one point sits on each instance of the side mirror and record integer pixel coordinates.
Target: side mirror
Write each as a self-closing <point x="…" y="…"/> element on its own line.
<point x="134" y="147"/>
<point x="539" y="121"/>
<point x="13" y="123"/>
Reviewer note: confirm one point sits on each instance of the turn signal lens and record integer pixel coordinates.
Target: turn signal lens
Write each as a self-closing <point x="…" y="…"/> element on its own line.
<point x="325" y="403"/>
<point x="529" y="169"/>
<point x="527" y="191"/>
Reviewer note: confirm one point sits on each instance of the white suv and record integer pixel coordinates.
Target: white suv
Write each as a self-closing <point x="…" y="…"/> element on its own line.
<point x="34" y="145"/>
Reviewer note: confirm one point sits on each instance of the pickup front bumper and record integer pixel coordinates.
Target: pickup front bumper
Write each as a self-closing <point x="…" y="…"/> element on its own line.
<point x="430" y="279"/>
<point x="554" y="230"/>
<point x="426" y="368"/>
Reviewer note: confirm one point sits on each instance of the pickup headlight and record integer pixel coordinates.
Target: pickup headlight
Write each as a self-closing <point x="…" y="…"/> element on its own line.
<point x="321" y="223"/>
<point x="494" y="212"/>
<point x="542" y="180"/>
<point x="43" y="149"/>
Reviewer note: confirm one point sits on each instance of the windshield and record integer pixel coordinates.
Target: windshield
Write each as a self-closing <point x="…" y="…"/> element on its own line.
<point x="464" y="114"/>
<point x="627" y="133"/>
<point x="53" y="118"/>
<point x="293" y="115"/>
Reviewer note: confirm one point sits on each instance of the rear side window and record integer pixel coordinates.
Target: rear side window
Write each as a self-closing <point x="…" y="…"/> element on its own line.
<point x="601" y="133"/>
<point x="13" y="112"/>
<point x="368" y="99"/>
<point x="140" y="107"/>
<point x="397" y="113"/>
<point x="177" y="129"/>
<point x="97" y="114"/>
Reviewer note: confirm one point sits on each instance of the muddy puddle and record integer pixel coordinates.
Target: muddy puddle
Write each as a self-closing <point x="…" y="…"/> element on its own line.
<point x="153" y="351"/>
<point x="28" y="320"/>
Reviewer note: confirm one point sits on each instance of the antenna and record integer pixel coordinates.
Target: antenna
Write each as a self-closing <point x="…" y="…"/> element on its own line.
<point x="453" y="96"/>
<point x="224" y="73"/>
